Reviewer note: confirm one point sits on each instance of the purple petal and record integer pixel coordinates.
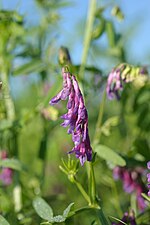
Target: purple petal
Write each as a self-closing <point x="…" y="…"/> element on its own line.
<point x="55" y="99"/>
<point x="148" y="165"/>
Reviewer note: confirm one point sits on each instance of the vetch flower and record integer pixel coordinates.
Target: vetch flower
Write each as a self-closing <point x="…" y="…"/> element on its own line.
<point x="76" y="118"/>
<point x="114" y="84"/>
<point x="148" y="178"/>
<point x="148" y="165"/>
<point x="6" y="173"/>
<point x="132" y="182"/>
<point x="120" y="75"/>
<point x="128" y="218"/>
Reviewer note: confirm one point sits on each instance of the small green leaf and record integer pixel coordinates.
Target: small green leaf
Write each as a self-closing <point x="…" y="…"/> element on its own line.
<point x="43" y="209"/>
<point x="5" y="124"/>
<point x="109" y="155"/>
<point x="3" y="221"/>
<point x="12" y="163"/>
<point x="110" y="31"/>
<point x="120" y="221"/>
<point x="146" y="197"/>
<point x="108" y="124"/>
<point x="67" y="210"/>
<point x="58" y="219"/>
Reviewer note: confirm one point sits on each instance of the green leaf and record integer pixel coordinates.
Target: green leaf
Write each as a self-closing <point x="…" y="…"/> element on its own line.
<point x="108" y="124"/>
<point x="109" y="155"/>
<point x="5" y="124"/>
<point x="120" y="221"/>
<point x="3" y="221"/>
<point x="67" y="210"/>
<point x="143" y="218"/>
<point x="35" y="65"/>
<point x="43" y="209"/>
<point x="62" y="218"/>
<point x="12" y="163"/>
<point x="58" y="219"/>
<point x="102" y="217"/>
<point x="146" y="197"/>
<point x="110" y="31"/>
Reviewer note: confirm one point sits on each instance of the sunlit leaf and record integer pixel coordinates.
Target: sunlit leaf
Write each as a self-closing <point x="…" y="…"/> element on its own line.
<point x="5" y="124"/>
<point x="116" y="11"/>
<point x="118" y="220"/>
<point x="3" y="221"/>
<point x="146" y="197"/>
<point x="110" y="31"/>
<point x="109" y="155"/>
<point x="43" y="209"/>
<point x="67" y="210"/>
<point x="58" y="219"/>
<point x="12" y="163"/>
<point x="108" y="124"/>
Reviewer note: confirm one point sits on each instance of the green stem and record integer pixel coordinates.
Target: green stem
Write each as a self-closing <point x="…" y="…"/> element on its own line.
<point x="92" y="185"/>
<point x="9" y="105"/>
<point x="99" y="120"/>
<point x="87" y="37"/>
<point x="117" y="204"/>
<point x="10" y="115"/>
<point x="81" y="189"/>
<point x="102" y="217"/>
<point x="78" y="211"/>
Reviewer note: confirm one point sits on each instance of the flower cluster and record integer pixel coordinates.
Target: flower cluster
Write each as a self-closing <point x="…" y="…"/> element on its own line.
<point x="119" y="76"/>
<point x="148" y="178"/>
<point x="127" y="218"/>
<point x="131" y="182"/>
<point x="76" y="117"/>
<point x="6" y="173"/>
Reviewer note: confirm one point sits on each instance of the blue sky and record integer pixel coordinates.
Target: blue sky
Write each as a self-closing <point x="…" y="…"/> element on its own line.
<point x="136" y="13"/>
<point x="137" y="20"/>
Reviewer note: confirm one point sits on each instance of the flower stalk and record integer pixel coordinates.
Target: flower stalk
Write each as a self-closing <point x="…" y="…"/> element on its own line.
<point x="88" y="36"/>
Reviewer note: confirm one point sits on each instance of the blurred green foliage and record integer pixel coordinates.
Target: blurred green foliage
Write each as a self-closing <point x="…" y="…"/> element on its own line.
<point x="33" y="137"/>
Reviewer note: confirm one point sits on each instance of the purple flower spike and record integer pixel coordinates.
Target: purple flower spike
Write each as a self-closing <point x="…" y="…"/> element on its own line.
<point x="114" y="84"/>
<point x="127" y="218"/>
<point x="121" y="75"/>
<point x="76" y="118"/>
<point x="65" y="92"/>
<point x="148" y="178"/>
<point x="132" y="182"/>
<point x="148" y="165"/>
<point x="6" y="174"/>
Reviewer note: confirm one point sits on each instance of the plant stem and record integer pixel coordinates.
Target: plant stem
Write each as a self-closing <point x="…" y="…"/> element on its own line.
<point x="102" y="217"/>
<point x="117" y="204"/>
<point x="9" y="105"/>
<point x="81" y="189"/>
<point x="92" y="185"/>
<point x="87" y="37"/>
<point x="10" y="115"/>
<point x="99" y="120"/>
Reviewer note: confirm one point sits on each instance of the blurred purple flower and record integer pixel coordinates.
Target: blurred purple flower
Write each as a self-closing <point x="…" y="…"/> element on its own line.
<point x="148" y="178"/>
<point x="131" y="183"/>
<point x="6" y="173"/>
<point x="148" y="165"/>
<point x="127" y="218"/>
<point x="114" y="84"/>
<point x="76" y="118"/>
<point x="120" y="75"/>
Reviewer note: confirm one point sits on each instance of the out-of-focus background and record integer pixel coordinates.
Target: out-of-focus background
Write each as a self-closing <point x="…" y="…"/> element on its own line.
<point x="31" y="35"/>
